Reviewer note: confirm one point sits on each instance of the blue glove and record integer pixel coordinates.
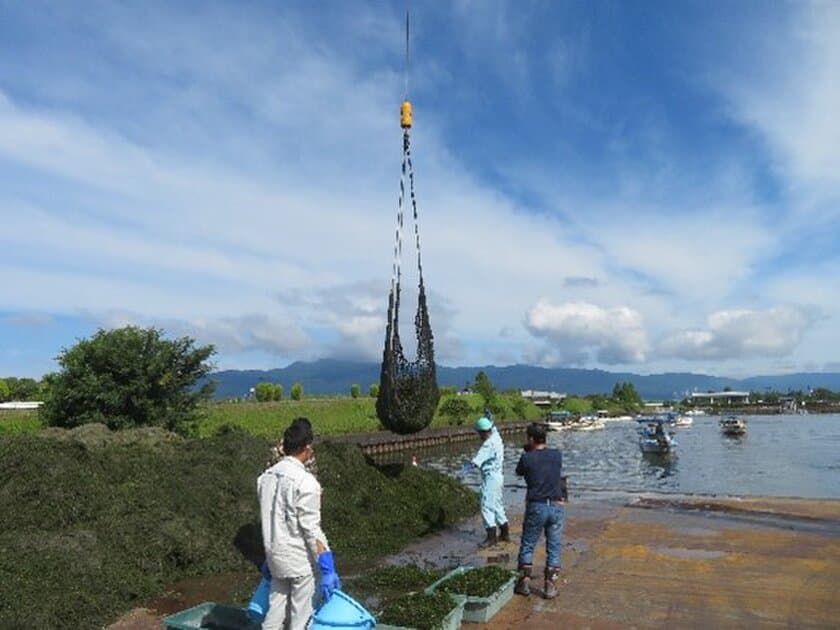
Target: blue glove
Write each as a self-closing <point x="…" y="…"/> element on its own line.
<point x="468" y="467"/>
<point x="329" y="578"/>
<point x="266" y="573"/>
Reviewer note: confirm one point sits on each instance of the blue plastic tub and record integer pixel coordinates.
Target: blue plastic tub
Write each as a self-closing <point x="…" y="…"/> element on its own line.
<point x="211" y="615"/>
<point x="342" y="611"/>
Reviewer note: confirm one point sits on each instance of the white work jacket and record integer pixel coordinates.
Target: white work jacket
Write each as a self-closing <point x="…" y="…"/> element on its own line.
<point x="290" y="513"/>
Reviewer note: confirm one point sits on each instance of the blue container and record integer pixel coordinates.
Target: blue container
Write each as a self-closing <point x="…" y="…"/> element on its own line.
<point x="341" y="611"/>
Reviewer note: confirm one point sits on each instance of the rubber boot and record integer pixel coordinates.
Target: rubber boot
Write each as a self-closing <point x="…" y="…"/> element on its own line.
<point x="550" y="591"/>
<point x="523" y="584"/>
<point x="504" y="532"/>
<point x="490" y="540"/>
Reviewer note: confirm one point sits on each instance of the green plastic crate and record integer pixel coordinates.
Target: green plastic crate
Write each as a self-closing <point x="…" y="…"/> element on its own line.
<point x="452" y="621"/>
<point x="211" y="615"/>
<point x="480" y="609"/>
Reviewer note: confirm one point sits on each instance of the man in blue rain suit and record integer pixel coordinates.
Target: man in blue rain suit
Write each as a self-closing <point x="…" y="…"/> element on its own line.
<point x="490" y="460"/>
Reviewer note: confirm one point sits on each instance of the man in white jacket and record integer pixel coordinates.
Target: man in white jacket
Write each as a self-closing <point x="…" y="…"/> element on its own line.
<point x="295" y="544"/>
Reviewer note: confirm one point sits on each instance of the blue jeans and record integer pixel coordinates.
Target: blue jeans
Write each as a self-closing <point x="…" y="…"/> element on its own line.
<point x="542" y="517"/>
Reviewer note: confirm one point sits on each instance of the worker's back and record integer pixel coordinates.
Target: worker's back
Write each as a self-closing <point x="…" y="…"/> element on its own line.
<point x="289" y="496"/>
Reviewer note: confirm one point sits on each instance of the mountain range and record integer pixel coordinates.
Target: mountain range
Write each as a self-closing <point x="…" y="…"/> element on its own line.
<point x="331" y="376"/>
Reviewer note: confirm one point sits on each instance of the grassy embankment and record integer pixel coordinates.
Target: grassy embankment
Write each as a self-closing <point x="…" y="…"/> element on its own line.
<point x="94" y="523"/>
<point x="330" y="416"/>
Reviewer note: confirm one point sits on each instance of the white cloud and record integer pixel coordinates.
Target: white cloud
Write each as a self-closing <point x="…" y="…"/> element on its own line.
<point x="743" y="333"/>
<point x="244" y="333"/>
<point x="615" y="335"/>
<point x="794" y="107"/>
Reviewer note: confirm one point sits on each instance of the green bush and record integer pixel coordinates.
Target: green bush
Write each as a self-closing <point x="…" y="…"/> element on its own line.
<point x="266" y="392"/>
<point x="355" y="390"/>
<point x="456" y="409"/>
<point x="297" y="391"/>
<point x="373" y="390"/>
<point x="5" y="391"/>
<point x="129" y="377"/>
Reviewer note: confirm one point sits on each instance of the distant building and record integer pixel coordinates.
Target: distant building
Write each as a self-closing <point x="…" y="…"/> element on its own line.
<point x="719" y="398"/>
<point x="32" y="404"/>
<point x="656" y="406"/>
<point x="542" y="399"/>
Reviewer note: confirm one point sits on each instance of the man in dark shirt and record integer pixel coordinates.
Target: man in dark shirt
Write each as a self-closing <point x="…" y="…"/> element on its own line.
<point x="544" y="511"/>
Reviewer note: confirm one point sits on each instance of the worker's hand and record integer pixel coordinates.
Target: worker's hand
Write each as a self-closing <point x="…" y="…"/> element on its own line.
<point x="467" y="468"/>
<point x="330" y="581"/>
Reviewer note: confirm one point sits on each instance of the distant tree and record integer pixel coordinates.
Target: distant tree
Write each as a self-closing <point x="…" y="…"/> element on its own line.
<point x="625" y="394"/>
<point x="5" y="391"/>
<point x="448" y="390"/>
<point x="484" y="387"/>
<point x="297" y="391"/>
<point x="577" y="405"/>
<point x="355" y="390"/>
<point x="129" y="377"/>
<point x="23" y="388"/>
<point x="277" y="392"/>
<point x="373" y="390"/>
<point x="456" y="409"/>
<point x="519" y="407"/>
<point x="264" y="391"/>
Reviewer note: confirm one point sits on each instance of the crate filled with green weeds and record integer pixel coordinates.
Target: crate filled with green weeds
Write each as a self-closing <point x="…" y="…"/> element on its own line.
<point x="485" y="590"/>
<point x="397" y="595"/>
<point x="422" y="611"/>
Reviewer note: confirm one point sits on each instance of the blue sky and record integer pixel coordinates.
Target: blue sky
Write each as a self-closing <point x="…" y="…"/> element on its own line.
<point x="647" y="186"/>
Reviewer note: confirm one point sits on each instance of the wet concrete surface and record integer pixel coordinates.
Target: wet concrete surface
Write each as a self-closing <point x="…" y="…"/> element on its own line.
<point x="634" y="560"/>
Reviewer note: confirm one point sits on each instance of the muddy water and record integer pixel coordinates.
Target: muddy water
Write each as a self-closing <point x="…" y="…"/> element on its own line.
<point x="796" y="456"/>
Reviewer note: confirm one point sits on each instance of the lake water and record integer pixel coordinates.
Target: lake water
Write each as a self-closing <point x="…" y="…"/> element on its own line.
<point x="796" y="456"/>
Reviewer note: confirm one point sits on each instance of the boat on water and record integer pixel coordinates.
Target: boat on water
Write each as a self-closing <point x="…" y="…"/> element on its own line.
<point x="695" y="412"/>
<point x="732" y="425"/>
<point x="683" y="420"/>
<point x="653" y="438"/>
<point x="588" y="423"/>
<point x="557" y="420"/>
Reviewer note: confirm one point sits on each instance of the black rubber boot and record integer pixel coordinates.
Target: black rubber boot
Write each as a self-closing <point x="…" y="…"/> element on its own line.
<point x="490" y="540"/>
<point x="504" y="533"/>
<point x="523" y="584"/>
<point x="551" y="574"/>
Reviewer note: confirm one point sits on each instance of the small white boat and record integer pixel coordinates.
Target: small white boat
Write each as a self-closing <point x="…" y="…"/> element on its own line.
<point x="732" y="425"/>
<point x="683" y="421"/>
<point x="588" y="424"/>
<point x="654" y="439"/>
<point x="557" y="420"/>
<point x="695" y="412"/>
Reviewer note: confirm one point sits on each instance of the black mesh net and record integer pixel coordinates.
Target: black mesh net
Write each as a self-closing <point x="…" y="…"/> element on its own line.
<point x="408" y="390"/>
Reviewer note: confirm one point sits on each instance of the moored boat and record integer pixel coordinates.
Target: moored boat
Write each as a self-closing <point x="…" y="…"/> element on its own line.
<point x="653" y="438"/>
<point x="732" y="425"/>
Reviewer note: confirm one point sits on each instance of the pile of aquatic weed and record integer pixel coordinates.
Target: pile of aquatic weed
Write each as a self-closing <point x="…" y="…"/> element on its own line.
<point x="94" y="523"/>
<point x="377" y="510"/>
<point x="482" y="582"/>
<point x="417" y="610"/>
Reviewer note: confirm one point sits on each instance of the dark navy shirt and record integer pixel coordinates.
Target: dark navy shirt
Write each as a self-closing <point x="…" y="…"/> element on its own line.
<point x="542" y="470"/>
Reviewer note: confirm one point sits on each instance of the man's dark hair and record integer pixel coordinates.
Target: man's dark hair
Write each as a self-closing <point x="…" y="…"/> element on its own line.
<point x="298" y="436"/>
<point x="536" y="432"/>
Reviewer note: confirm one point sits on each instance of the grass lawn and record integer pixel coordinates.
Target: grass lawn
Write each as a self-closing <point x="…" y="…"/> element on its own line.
<point x="329" y="416"/>
<point x="19" y="421"/>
